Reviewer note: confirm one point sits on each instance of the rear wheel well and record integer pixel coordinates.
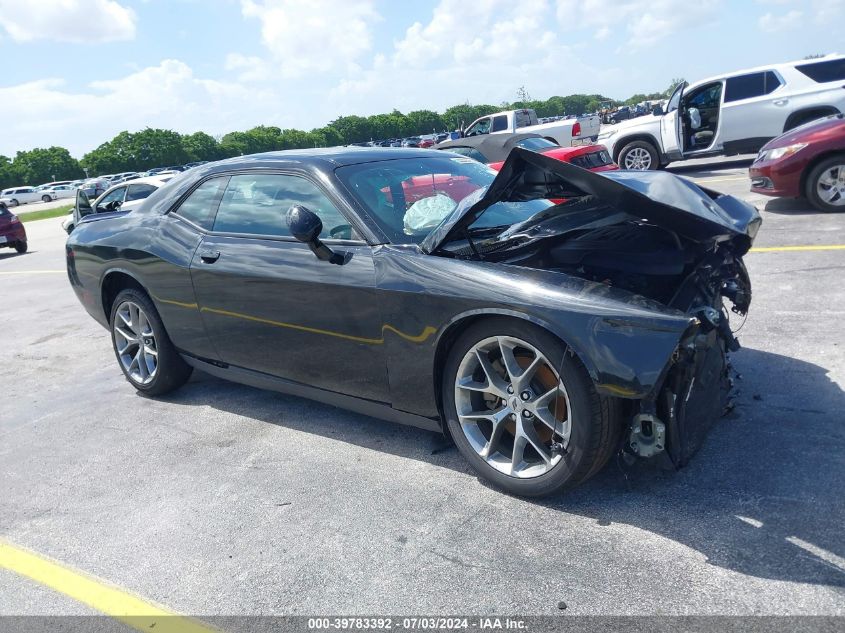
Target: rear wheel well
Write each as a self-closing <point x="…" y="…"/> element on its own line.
<point x="111" y="287"/>
<point x="800" y="117"/>
<point x="812" y="165"/>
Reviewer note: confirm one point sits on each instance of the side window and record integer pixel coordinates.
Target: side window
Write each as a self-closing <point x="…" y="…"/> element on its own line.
<point x="500" y="123"/>
<point x="257" y="205"/>
<point x="751" y="85"/>
<point x="139" y="192"/>
<point x="674" y="99"/>
<point x="117" y="194"/>
<point x="469" y="152"/>
<point x="480" y="127"/>
<point x="822" y="72"/>
<point x="199" y="207"/>
<point x="705" y="97"/>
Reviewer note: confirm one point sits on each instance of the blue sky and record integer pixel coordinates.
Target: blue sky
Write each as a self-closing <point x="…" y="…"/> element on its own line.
<point x="77" y="72"/>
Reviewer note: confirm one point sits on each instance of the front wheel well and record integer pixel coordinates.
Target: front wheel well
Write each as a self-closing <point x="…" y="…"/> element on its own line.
<point x="112" y="285"/>
<point x="624" y="142"/>
<point x="812" y="165"/>
<point x="453" y="332"/>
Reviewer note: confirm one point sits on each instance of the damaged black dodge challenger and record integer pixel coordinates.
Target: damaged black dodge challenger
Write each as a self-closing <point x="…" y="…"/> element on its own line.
<point x="544" y="318"/>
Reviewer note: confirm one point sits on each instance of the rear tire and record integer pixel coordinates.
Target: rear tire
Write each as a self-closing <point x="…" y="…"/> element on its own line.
<point x="589" y="433"/>
<point x="21" y="247"/>
<point x="13" y="203"/>
<point x="46" y="199"/>
<point x="144" y="352"/>
<point x="638" y="155"/>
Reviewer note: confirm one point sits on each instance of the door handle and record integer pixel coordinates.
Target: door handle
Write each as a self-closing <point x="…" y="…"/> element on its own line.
<point x="780" y="102"/>
<point x="209" y="257"/>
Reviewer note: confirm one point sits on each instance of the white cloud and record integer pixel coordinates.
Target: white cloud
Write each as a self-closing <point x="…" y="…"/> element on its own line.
<point x="315" y="36"/>
<point x="168" y="95"/>
<point x="772" y="23"/>
<point x="603" y="33"/>
<point x="646" y="21"/>
<point x="480" y="52"/>
<point x="495" y="31"/>
<point x="77" y="21"/>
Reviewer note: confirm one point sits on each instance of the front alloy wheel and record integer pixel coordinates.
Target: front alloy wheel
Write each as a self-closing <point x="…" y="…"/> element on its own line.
<point x="523" y="410"/>
<point x="512" y="406"/>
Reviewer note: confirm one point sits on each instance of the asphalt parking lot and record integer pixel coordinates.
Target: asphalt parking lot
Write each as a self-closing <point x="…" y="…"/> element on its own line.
<point x="223" y="499"/>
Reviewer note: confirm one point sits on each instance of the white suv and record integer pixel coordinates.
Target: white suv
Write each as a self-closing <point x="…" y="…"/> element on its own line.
<point x="735" y="113"/>
<point x="21" y="195"/>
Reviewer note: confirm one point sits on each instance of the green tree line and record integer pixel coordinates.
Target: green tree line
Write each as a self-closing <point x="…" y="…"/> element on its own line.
<point x="139" y="151"/>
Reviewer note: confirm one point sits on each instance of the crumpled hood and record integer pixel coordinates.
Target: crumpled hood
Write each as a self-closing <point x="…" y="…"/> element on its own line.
<point x="662" y="198"/>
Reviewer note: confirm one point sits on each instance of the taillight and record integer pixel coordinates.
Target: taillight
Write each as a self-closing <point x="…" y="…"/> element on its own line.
<point x="14" y="220"/>
<point x="576" y="129"/>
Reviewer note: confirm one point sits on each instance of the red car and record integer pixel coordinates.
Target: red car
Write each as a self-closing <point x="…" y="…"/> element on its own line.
<point x="12" y="233"/>
<point x="493" y="149"/>
<point x="806" y="161"/>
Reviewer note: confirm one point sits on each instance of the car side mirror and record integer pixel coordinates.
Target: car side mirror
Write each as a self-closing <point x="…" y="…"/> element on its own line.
<point x="657" y="110"/>
<point x="306" y="226"/>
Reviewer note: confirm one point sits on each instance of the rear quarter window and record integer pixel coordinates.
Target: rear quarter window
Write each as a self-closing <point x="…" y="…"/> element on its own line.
<point x="822" y="72"/>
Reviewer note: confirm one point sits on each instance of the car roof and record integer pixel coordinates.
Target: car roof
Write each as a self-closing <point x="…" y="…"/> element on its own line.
<point x="757" y="69"/>
<point x="320" y="157"/>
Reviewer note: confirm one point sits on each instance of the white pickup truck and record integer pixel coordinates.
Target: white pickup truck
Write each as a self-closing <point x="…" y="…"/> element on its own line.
<point x="565" y="132"/>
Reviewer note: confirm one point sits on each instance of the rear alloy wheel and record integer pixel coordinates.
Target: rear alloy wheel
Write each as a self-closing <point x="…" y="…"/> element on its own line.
<point x="144" y="352"/>
<point x="46" y="198"/>
<point x="13" y="203"/>
<point x="826" y="185"/>
<point x="639" y="156"/>
<point x="523" y="411"/>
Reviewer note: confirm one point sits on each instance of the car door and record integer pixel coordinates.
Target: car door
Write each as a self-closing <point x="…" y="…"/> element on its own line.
<point x="270" y="305"/>
<point x="482" y="126"/>
<point x="26" y="195"/>
<point x="754" y="110"/>
<point x="671" y="124"/>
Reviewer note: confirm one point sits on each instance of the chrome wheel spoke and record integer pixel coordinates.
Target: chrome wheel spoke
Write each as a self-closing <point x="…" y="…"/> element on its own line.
<point x="495" y="383"/>
<point x="530" y="434"/>
<point x="519" y="444"/>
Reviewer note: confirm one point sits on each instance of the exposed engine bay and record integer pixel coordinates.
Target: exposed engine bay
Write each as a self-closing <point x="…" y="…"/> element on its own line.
<point x="669" y="260"/>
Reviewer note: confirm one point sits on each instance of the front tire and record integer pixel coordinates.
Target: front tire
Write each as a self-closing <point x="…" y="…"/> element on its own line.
<point x="826" y="185"/>
<point x="523" y="410"/>
<point x="144" y="352"/>
<point x="639" y="156"/>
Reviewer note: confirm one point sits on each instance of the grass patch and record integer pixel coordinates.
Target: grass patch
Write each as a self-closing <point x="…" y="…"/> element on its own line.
<point x="32" y="216"/>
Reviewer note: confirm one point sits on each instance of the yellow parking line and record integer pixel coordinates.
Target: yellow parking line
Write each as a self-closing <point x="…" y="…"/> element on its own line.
<point x="773" y="249"/>
<point x="31" y="272"/>
<point x="97" y="594"/>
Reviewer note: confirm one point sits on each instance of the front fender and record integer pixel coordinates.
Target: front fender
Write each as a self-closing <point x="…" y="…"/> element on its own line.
<point x="625" y="341"/>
